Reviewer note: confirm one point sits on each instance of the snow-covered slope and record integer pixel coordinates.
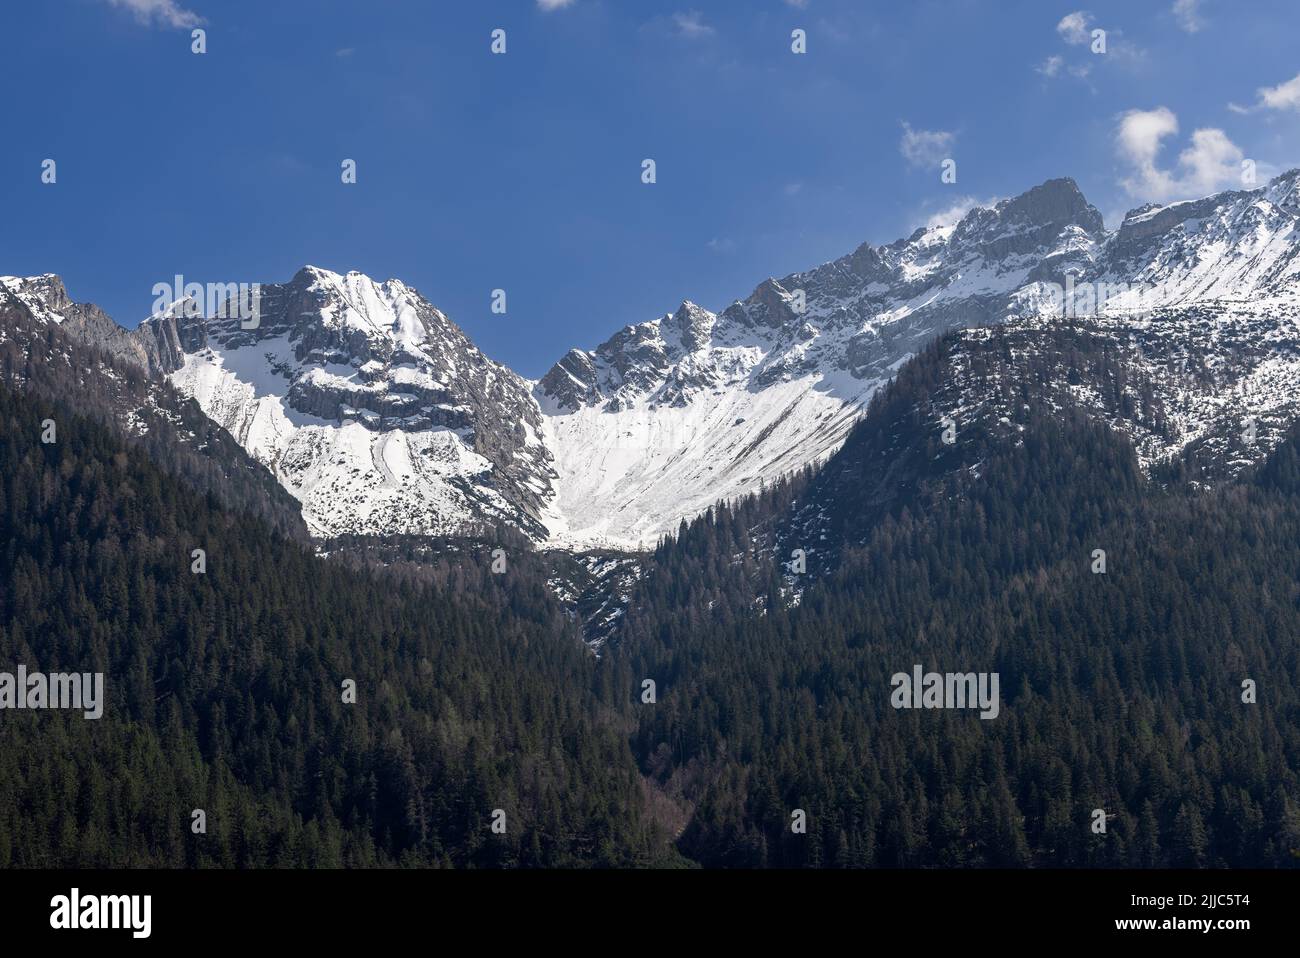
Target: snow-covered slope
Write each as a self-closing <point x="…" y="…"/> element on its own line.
<point x="668" y="416"/>
<point x="1211" y="385"/>
<point x="381" y="417"/>
<point x="371" y="407"/>
<point x="684" y="423"/>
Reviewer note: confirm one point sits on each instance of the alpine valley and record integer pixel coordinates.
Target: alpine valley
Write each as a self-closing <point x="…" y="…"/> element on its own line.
<point x="925" y="457"/>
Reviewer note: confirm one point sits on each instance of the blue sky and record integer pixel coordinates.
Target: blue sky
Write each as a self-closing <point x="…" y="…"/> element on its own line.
<point x="522" y="171"/>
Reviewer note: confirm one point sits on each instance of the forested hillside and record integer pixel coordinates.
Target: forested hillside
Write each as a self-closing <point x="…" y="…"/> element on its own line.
<point x="1120" y="690"/>
<point x="225" y="689"/>
<point x="59" y="365"/>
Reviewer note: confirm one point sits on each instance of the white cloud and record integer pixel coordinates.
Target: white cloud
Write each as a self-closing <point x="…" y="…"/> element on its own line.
<point x="1051" y="66"/>
<point x="1140" y="133"/>
<point x="165" y="12"/>
<point x="1212" y="162"/>
<point x="691" y="24"/>
<point x="952" y="214"/>
<point x="1077" y="29"/>
<point x="793" y="189"/>
<point x="549" y="5"/>
<point x="1284" y="96"/>
<point x="1073" y="27"/>
<point x="1188" y="15"/>
<point x="925" y="147"/>
<point x="722" y="245"/>
<point x="800" y="4"/>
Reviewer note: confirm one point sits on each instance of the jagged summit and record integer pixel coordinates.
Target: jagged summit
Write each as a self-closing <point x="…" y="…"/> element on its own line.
<point x="1284" y="189"/>
<point x="376" y="410"/>
<point x="45" y="295"/>
<point x="649" y="426"/>
<point x="371" y="406"/>
<point x="1056" y="201"/>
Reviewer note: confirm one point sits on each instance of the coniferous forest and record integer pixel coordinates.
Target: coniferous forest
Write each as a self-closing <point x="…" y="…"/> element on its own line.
<point x="476" y="697"/>
<point x="1120" y="691"/>
<point x="225" y="690"/>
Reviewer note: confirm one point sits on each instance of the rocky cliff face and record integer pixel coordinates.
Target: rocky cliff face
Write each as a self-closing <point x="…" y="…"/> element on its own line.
<point x="370" y="405"/>
<point x="666" y="417"/>
<point x="47" y="300"/>
<point x="74" y="356"/>
<point x="381" y="417"/>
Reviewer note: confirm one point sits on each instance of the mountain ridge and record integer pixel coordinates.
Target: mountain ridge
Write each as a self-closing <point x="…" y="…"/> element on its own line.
<point x="381" y="416"/>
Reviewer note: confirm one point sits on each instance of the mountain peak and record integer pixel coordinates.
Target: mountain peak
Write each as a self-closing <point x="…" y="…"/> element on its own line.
<point x="371" y="406"/>
<point x="309" y="274"/>
<point x="353" y="277"/>
<point x="1056" y="201"/>
<point x="45" y="295"/>
<point x="1284" y="190"/>
<point x="43" y="277"/>
<point x="377" y="411"/>
<point x="693" y="324"/>
<point x="769" y="304"/>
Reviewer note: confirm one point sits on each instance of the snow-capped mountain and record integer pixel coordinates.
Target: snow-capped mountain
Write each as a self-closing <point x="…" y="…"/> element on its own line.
<point x="381" y="417"/>
<point x="369" y="405"/>
<point x="669" y="416"/>
<point x="1199" y="393"/>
